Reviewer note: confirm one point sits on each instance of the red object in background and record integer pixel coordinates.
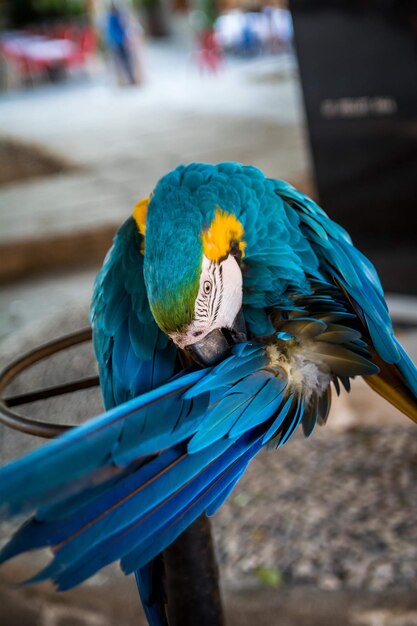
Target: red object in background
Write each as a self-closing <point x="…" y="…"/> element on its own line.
<point x="209" y="53"/>
<point x="59" y="48"/>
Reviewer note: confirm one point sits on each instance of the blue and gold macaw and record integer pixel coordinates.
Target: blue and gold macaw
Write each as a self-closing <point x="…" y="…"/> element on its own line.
<point x="226" y="309"/>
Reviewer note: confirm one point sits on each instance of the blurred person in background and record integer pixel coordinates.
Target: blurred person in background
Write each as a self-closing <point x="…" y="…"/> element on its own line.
<point x="123" y="43"/>
<point x="208" y="54"/>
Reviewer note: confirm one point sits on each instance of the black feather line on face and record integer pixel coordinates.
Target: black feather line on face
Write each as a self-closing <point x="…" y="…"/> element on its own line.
<point x="208" y="305"/>
<point x="236" y="251"/>
<point x="220" y="292"/>
<point x="213" y="295"/>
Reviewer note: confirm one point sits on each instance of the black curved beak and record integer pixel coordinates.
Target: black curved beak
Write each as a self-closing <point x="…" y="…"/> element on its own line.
<point x="216" y="345"/>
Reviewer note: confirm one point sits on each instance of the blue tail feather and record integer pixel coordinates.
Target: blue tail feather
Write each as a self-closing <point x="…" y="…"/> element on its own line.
<point x="147" y="534"/>
<point x="84" y="452"/>
<point x="149" y="583"/>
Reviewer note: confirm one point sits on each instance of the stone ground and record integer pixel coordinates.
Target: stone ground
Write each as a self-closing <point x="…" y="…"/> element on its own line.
<point x="321" y="532"/>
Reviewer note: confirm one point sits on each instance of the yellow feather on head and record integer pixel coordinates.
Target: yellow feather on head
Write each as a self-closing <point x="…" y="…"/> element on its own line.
<point x="139" y="215"/>
<point x="224" y="231"/>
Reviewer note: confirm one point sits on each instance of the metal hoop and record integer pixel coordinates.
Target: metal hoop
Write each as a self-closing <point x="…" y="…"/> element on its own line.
<point x="25" y="424"/>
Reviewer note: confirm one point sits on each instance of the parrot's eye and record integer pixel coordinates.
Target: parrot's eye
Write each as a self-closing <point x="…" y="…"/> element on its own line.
<point x="218" y="301"/>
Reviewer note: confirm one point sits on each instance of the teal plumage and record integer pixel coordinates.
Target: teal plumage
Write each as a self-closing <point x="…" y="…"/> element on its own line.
<point x="127" y="340"/>
<point x="175" y="437"/>
<point x="272" y="270"/>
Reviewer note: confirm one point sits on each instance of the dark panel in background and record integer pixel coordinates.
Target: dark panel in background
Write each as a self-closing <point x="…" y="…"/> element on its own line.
<point x="358" y="67"/>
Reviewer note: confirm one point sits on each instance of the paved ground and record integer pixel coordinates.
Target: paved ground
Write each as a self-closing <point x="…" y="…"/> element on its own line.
<point x="125" y="139"/>
<point x="119" y="606"/>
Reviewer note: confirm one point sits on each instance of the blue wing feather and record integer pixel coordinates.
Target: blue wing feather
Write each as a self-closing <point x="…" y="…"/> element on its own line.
<point x="133" y="354"/>
<point x="151" y="486"/>
<point x="342" y="262"/>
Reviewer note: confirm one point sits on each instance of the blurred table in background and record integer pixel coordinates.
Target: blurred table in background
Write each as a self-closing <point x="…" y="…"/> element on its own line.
<point x="29" y="57"/>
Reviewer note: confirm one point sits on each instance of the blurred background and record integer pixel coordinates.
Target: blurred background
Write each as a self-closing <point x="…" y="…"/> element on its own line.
<point x="98" y="100"/>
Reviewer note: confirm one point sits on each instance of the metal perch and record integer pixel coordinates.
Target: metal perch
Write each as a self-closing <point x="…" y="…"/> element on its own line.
<point x="192" y="580"/>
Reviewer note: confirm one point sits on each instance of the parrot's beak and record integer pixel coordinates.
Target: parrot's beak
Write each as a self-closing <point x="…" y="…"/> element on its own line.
<point x="215" y="346"/>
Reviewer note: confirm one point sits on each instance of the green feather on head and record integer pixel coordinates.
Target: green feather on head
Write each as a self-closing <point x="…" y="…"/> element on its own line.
<point x="173" y="255"/>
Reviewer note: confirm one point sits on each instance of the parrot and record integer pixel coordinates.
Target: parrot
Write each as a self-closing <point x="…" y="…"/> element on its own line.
<point x="226" y="311"/>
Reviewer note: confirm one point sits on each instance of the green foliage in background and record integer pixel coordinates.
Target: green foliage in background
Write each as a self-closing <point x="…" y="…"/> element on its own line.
<point x="59" y="7"/>
<point x="269" y="576"/>
<point x="210" y="10"/>
<point x="145" y="4"/>
<point x="22" y="12"/>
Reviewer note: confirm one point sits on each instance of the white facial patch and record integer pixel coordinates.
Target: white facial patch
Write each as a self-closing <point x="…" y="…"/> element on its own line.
<point x="218" y="301"/>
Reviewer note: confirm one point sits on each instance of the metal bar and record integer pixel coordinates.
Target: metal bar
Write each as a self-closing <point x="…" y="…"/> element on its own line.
<point x="192" y="578"/>
<point x="51" y="392"/>
<point x="30" y="426"/>
<point x="34" y="356"/>
<point x="24" y="424"/>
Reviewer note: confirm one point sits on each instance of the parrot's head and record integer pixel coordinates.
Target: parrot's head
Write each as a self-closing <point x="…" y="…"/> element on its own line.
<point x="192" y="271"/>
